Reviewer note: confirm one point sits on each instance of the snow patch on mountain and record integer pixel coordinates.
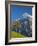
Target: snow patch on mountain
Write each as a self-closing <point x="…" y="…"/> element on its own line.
<point x="25" y="15"/>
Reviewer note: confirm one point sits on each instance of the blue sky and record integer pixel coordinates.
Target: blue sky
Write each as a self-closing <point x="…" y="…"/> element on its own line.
<point x="18" y="11"/>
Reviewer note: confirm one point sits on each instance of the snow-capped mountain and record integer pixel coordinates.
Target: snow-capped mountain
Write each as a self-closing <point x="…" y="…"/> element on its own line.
<point x="24" y="16"/>
<point x="26" y="24"/>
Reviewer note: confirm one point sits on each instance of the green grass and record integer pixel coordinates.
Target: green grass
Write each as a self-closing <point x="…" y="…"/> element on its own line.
<point x="16" y="35"/>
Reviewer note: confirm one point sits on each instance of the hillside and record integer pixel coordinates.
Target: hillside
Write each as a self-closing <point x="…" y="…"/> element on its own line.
<point x="16" y="35"/>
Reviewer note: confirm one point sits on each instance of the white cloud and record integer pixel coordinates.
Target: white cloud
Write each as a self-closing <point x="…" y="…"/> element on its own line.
<point x="17" y="19"/>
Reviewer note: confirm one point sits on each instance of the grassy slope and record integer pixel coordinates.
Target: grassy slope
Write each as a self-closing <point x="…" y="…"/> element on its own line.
<point x="16" y="35"/>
